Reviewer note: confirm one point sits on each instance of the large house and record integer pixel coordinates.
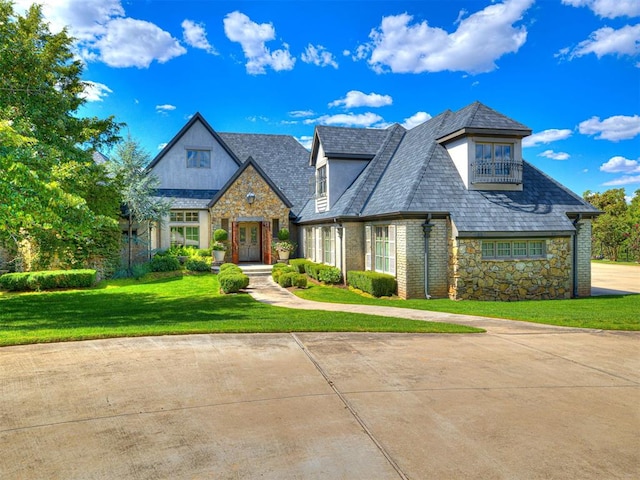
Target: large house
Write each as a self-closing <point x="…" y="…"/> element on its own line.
<point x="449" y="208"/>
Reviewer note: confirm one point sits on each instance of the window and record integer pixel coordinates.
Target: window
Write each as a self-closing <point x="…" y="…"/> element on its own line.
<point x="224" y="224"/>
<point x="309" y="243"/>
<point x="493" y="159"/>
<point x="185" y="236"/>
<point x="385" y="249"/>
<point x="327" y="245"/>
<point x="321" y="181"/>
<point x="275" y="227"/>
<point x="198" y="159"/>
<point x="512" y="249"/>
<point x="184" y="216"/>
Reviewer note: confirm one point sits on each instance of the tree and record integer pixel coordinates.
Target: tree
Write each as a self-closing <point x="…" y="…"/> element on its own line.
<point x="137" y="189"/>
<point x="54" y="199"/>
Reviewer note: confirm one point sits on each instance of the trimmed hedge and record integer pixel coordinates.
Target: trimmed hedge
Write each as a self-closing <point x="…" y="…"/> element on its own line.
<point x="48" y="280"/>
<point x="231" y="278"/>
<point x="195" y="265"/>
<point x="286" y="279"/>
<point x="323" y="273"/>
<point x="164" y="263"/>
<point x="280" y="268"/>
<point x="377" y="284"/>
<point x="299" y="281"/>
<point x="299" y="264"/>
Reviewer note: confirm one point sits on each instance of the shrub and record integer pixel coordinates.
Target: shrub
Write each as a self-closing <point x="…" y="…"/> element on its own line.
<point x="283" y="234"/>
<point x="377" y="284"/>
<point x="230" y="266"/>
<point x="312" y="269"/>
<point x="286" y="279"/>
<point x="277" y="272"/>
<point x="195" y="265"/>
<point x="330" y="274"/>
<point x="164" y="263"/>
<point x="204" y="252"/>
<point x="220" y="235"/>
<point x="300" y="280"/>
<point x="233" y="282"/>
<point x="139" y="270"/>
<point x="48" y="280"/>
<point x="299" y="264"/>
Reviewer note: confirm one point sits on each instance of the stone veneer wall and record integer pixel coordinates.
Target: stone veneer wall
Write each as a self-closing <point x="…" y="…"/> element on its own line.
<point x="584" y="258"/>
<point x="233" y="204"/>
<point x="353" y="246"/>
<point x="473" y="278"/>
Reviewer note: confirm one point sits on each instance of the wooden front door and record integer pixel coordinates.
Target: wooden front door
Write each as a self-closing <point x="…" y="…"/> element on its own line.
<point x="249" y="242"/>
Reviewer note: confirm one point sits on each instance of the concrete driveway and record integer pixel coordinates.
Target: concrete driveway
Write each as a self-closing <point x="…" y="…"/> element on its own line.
<point x="555" y="404"/>
<point x="607" y="279"/>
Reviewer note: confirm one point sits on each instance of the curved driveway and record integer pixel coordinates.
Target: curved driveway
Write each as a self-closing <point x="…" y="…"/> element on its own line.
<point x="512" y="403"/>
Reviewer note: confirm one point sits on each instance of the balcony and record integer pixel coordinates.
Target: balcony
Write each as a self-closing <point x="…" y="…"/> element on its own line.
<point x="501" y="172"/>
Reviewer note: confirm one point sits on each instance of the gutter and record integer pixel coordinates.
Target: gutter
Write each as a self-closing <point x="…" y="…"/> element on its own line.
<point x="426" y="230"/>
<point x="574" y="255"/>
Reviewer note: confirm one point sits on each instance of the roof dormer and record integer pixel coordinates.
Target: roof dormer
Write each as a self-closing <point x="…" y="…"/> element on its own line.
<point x="486" y="147"/>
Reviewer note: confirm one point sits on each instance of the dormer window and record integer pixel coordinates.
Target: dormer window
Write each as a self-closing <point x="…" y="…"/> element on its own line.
<point x="495" y="163"/>
<point x="198" y="158"/>
<point x="321" y="181"/>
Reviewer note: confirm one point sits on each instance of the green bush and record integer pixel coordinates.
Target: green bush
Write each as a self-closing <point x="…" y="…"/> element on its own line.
<point x="230" y="266"/>
<point x="330" y="275"/>
<point x="164" y="263"/>
<point x="286" y="279"/>
<point x="48" y="280"/>
<point x="180" y="251"/>
<point x="277" y="272"/>
<point x="204" y="252"/>
<point x="233" y="282"/>
<point x="15" y="282"/>
<point x="313" y="269"/>
<point x="299" y="264"/>
<point x="377" y="284"/>
<point x="283" y="234"/>
<point x="300" y="280"/>
<point x="220" y="235"/>
<point x="195" y="265"/>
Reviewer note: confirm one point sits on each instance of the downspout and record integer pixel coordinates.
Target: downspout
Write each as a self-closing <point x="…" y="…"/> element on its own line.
<point x="575" y="254"/>
<point x="426" y="230"/>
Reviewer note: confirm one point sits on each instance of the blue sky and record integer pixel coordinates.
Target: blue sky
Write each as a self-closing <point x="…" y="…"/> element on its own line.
<point x="568" y="69"/>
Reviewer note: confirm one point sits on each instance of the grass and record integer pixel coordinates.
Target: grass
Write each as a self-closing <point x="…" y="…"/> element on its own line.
<point x="168" y="305"/>
<point x="606" y="312"/>
<point x="611" y="262"/>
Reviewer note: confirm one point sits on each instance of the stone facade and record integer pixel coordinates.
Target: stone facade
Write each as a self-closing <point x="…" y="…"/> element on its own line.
<point x="473" y="278"/>
<point x="232" y="206"/>
<point x="353" y="246"/>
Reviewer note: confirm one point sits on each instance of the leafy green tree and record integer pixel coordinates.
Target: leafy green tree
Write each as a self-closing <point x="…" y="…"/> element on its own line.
<point x="54" y="200"/>
<point x="137" y="189"/>
<point x="611" y="229"/>
<point x="633" y="239"/>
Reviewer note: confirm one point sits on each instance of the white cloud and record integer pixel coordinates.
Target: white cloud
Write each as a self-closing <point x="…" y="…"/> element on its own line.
<point x="103" y="33"/>
<point x="252" y="37"/>
<point x="625" y="180"/>
<point x="618" y="127"/>
<point x="136" y="43"/>
<point x="355" y="98"/>
<point x="619" y="164"/>
<point x="546" y="136"/>
<point x="347" y="119"/>
<point x="301" y="113"/>
<point x="162" y="145"/>
<point x="164" y="109"/>
<point x="607" y="41"/>
<point x="195" y="35"/>
<point x="320" y="56"/>
<point x="94" y="91"/>
<point x="554" y="155"/>
<point x="305" y="141"/>
<point x="480" y="39"/>
<point x="416" y="119"/>
<point x="608" y="8"/>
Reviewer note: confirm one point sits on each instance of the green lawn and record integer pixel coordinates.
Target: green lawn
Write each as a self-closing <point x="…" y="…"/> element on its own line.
<point x="172" y="305"/>
<point x="608" y="313"/>
<point x="611" y="262"/>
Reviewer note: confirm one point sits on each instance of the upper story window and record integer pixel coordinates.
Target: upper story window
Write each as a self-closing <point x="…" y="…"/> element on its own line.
<point x="321" y="181"/>
<point x="198" y="158"/>
<point x="495" y="163"/>
<point x="183" y="216"/>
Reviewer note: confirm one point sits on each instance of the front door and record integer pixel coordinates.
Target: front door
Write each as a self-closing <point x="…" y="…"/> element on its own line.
<point x="249" y="242"/>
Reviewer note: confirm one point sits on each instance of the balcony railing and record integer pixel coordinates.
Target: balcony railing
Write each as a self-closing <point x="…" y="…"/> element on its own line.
<point x="509" y="171"/>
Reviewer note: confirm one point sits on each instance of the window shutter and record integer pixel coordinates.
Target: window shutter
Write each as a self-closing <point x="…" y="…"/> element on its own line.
<point x="333" y="246"/>
<point x="367" y="247"/>
<point x="392" y="249"/>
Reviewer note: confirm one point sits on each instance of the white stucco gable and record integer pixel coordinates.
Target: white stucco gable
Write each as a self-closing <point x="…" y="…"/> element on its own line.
<point x="174" y="171"/>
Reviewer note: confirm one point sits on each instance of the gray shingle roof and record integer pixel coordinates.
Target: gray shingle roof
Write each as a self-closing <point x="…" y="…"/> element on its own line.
<point x="184" y="198"/>
<point x="349" y="142"/>
<point x="281" y="157"/>
<point x="413" y="174"/>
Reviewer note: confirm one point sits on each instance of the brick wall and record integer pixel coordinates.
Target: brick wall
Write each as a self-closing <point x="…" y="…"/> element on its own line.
<point x="353" y="246"/>
<point x="584" y="258"/>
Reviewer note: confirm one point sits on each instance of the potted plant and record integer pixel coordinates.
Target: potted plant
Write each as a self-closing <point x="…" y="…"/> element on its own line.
<point x="283" y="246"/>
<point x="218" y="247"/>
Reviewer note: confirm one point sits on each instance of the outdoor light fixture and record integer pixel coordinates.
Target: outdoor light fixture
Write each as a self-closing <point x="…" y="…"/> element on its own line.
<point x="251" y="197"/>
